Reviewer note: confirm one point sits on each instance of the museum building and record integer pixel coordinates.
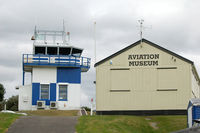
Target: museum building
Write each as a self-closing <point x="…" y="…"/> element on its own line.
<point x="145" y="78"/>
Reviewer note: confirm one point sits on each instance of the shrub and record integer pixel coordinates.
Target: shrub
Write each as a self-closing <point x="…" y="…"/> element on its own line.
<point x="12" y="103"/>
<point x="86" y="108"/>
<point x="2" y="103"/>
<point x="2" y="92"/>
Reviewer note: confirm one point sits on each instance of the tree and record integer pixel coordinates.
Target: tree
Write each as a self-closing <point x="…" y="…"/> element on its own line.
<point x="2" y="92"/>
<point x="12" y="103"/>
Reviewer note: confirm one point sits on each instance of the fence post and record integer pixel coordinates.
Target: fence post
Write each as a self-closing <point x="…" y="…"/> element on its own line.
<point x="75" y="60"/>
<point x="82" y="61"/>
<point x="39" y="58"/>
<point x="27" y="59"/>
<point x="49" y="59"/>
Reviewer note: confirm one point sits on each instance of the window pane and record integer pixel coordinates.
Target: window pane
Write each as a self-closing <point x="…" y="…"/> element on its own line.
<point x="44" y="91"/>
<point x="63" y="92"/>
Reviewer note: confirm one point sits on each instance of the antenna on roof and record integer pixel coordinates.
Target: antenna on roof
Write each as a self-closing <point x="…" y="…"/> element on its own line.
<point x="141" y="21"/>
<point x="94" y="42"/>
<point x="141" y="28"/>
<point x="64" y="33"/>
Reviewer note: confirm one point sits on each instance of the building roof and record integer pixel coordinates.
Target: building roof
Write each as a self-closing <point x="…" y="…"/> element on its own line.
<point x="156" y="46"/>
<point x="150" y="43"/>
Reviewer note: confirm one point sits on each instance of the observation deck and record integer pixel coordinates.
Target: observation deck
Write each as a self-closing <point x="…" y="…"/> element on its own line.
<point x="30" y="60"/>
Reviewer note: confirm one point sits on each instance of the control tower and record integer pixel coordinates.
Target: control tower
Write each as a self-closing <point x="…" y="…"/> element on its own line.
<point x="55" y="68"/>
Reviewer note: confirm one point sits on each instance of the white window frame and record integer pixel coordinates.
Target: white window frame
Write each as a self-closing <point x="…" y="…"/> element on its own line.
<point x="49" y="90"/>
<point x="58" y="90"/>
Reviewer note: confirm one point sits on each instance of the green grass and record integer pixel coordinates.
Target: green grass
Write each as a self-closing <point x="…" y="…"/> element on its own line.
<point x="129" y="124"/>
<point x="6" y="119"/>
<point x="52" y="112"/>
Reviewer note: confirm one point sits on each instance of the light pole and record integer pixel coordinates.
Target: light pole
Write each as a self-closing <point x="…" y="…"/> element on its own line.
<point x="5" y="105"/>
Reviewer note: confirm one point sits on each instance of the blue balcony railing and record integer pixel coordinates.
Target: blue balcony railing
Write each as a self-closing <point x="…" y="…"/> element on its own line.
<point x="55" y="60"/>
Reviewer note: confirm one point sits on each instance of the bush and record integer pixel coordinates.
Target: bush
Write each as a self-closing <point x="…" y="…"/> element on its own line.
<point x="86" y="108"/>
<point x="2" y="103"/>
<point x="12" y="103"/>
<point x="2" y="92"/>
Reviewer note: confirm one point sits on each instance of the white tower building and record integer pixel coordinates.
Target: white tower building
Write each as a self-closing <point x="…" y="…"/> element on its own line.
<point x="55" y="68"/>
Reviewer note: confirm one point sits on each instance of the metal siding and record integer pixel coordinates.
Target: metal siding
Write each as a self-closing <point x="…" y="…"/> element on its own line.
<point x="69" y="75"/>
<point x="35" y="93"/>
<point x="52" y="91"/>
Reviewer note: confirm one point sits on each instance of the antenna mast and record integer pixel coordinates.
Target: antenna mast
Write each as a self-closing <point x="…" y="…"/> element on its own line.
<point x="141" y="29"/>
<point x="64" y="33"/>
<point x="94" y="42"/>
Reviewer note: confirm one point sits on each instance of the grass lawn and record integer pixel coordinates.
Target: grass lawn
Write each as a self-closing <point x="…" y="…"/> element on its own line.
<point x="6" y="119"/>
<point x="130" y="124"/>
<point x="52" y="112"/>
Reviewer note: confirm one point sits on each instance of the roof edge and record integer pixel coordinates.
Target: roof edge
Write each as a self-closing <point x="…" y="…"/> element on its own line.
<point x="149" y="42"/>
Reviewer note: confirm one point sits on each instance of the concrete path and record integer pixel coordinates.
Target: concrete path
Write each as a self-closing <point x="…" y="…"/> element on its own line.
<point x="44" y="124"/>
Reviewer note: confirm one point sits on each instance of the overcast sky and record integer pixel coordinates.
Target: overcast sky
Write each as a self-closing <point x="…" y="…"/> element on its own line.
<point x="175" y="26"/>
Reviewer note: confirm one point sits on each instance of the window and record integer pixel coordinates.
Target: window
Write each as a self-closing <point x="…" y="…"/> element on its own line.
<point x="76" y="52"/>
<point x="44" y="91"/>
<point x="63" y="92"/>
<point x="52" y="50"/>
<point x="64" y="51"/>
<point x="40" y="50"/>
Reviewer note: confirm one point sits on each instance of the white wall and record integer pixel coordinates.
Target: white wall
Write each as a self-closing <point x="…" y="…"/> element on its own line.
<point x="25" y="97"/>
<point x="44" y="75"/>
<point x="73" y="101"/>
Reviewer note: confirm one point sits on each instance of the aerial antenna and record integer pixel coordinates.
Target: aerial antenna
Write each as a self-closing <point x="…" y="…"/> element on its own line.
<point x="141" y="29"/>
<point x="141" y="21"/>
<point x="64" y="33"/>
<point x="95" y="42"/>
<point x="68" y="34"/>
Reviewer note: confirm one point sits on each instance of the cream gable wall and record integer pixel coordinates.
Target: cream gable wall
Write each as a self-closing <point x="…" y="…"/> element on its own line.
<point x="144" y="94"/>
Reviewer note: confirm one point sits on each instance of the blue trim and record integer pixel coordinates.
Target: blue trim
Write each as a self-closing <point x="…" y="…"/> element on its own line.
<point x="23" y="78"/>
<point x="68" y="75"/>
<point x="52" y="91"/>
<point x="59" y="60"/>
<point x="40" y="59"/>
<point x="35" y="93"/>
<point x="54" y="64"/>
<point x="62" y="100"/>
<point x="23" y="72"/>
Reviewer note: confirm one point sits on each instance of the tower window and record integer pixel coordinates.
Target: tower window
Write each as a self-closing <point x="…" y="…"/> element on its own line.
<point x="76" y="52"/>
<point x="44" y="91"/>
<point x="39" y="50"/>
<point x="63" y="92"/>
<point x="64" y="51"/>
<point x="52" y="50"/>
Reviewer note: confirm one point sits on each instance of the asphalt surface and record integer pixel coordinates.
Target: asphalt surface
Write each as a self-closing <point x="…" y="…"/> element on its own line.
<point x="189" y="130"/>
<point x="44" y="124"/>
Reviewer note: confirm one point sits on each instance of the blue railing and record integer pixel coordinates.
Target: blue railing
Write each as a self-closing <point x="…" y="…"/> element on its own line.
<point x="56" y="60"/>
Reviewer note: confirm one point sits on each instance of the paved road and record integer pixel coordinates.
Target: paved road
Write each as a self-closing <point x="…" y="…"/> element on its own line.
<point x="44" y="124"/>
